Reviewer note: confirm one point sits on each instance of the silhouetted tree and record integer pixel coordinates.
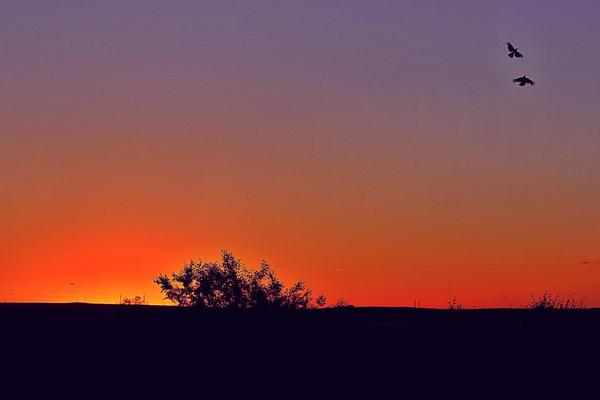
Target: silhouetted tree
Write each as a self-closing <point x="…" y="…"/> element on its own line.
<point x="230" y="284"/>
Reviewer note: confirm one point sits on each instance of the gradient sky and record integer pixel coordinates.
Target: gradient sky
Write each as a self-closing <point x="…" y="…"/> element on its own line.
<point x="376" y="149"/>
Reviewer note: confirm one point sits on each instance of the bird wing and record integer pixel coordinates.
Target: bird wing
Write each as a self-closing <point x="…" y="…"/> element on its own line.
<point x="516" y="80"/>
<point x="527" y="80"/>
<point x="510" y="47"/>
<point x="517" y="54"/>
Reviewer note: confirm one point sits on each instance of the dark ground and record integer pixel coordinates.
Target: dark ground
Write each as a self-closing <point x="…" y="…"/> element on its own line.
<point x="151" y="349"/>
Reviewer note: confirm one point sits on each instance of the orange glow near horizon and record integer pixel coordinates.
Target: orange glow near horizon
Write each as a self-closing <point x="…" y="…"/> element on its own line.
<point x="363" y="262"/>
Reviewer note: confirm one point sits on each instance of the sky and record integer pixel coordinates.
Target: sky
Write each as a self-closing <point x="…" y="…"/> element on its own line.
<point x="377" y="150"/>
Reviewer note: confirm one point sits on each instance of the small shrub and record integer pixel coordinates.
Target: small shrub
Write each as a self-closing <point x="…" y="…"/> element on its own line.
<point x="136" y="301"/>
<point x="549" y="301"/>
<point x="341" y="303"/>
<point x="320" y="301"/>
<point x="454" y="304"/>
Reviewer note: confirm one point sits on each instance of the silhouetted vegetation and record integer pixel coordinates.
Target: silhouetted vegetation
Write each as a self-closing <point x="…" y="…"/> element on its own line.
<point x="229" y="284"/>
<point x="135" y="301"/>
<point x="341" y="303"/>
<point x="549" y="301"/>
<point x="454" y="304"/>
<point x="321" y="301"/>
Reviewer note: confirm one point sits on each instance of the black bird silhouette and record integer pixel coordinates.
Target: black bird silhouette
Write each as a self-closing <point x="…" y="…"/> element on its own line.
<point x="513" y="51"/>
<point x="523" y="80"/>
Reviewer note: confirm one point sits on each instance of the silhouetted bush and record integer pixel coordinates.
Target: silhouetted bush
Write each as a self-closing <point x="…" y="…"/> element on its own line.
<point x="548" y="301"/>
<point x="230" y="284"/>
<point x="341" y="303"/>
<point x="320" y="301"/>
<point x="136" y="301"/>
<point x="454" y="304"/>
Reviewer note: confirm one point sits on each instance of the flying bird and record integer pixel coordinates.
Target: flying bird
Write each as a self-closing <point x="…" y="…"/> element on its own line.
<point x="523" y="80"/>
<point x="71" y="283"/>
<point x="513" y="51"/>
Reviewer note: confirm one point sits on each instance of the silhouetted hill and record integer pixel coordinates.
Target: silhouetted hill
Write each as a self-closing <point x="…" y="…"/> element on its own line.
<point x="338" y="346"/>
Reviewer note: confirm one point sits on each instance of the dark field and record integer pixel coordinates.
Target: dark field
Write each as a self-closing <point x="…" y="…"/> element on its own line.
<point x="152" y="348"/>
